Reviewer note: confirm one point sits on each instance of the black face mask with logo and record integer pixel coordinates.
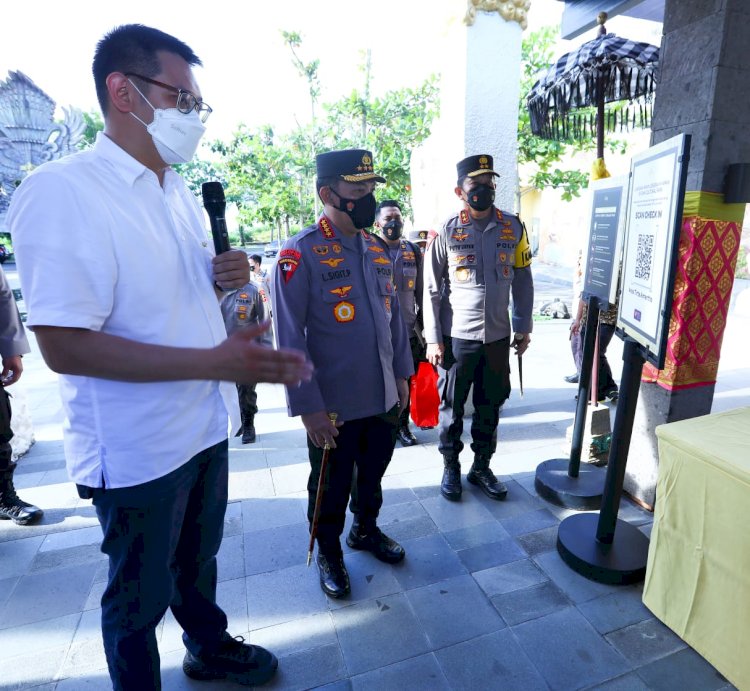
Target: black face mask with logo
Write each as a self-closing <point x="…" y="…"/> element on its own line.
<point x="481" y="197"/>
<point x="361" y="211"/>
<point x="393" y="229"/>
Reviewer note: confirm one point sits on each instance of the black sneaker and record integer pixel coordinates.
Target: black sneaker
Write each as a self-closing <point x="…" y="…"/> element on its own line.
<point x="235" y="660"/>
<point x="248" y="434"/>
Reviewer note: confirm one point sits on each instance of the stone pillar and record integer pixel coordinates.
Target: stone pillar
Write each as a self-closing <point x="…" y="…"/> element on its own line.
<point x="704" y="90"/>
<point x="478" y="110"/>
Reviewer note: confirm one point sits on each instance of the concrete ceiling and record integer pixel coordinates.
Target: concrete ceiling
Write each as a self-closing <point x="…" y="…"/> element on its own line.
<point x="579" y="16"/>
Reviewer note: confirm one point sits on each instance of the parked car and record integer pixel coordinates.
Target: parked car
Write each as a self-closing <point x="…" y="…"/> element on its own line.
<point x="272" y="248"/>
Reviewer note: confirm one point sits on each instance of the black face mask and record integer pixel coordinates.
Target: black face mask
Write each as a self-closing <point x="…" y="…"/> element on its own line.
<point x="392" y="229"/>
<point x="361" y="211"/>
<point x="481" y="197"/>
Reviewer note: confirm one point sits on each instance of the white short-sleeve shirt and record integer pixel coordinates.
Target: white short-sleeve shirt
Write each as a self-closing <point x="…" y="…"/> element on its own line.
<point x="100" y="245"/>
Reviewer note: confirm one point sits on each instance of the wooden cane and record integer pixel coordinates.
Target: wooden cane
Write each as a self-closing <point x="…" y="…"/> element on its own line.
<point x="319" y="494"/>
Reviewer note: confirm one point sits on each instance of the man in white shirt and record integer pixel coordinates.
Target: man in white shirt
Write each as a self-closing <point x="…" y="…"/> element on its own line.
<point x="146" y="389"/>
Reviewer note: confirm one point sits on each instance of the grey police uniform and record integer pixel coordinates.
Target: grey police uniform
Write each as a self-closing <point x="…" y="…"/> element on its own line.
<point x="335" y="299"/>
<point x="13" y="341"/>
<point x="477" y="271"/>
<point x="408" y="277"/>
<point x="242" y="308"/>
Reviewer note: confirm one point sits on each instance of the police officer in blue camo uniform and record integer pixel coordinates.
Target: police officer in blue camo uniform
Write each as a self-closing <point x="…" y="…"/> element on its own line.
<point x="242" y="308"/>
<point x="335" y="299"/>
<point x="407" y="268"/>
<point x="476" y="262"/>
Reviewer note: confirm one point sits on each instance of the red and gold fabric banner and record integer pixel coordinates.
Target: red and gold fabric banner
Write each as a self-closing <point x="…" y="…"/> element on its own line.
<point x="702" y="292"/>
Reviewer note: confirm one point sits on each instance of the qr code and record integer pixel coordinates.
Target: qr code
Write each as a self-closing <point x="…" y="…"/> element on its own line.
<point x="644" y="257"/>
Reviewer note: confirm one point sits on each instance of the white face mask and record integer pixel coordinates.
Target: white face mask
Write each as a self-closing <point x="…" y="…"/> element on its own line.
<point x="176" y="135"/>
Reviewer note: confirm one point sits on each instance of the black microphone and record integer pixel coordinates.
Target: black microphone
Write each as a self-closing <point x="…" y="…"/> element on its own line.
<point x="213" y="200"/>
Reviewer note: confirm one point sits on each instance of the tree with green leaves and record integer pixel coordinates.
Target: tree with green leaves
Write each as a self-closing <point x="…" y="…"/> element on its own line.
<point x="546" y="156"/>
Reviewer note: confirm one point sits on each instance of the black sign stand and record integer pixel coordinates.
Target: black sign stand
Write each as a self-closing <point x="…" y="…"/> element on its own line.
<point x="602" y="547"/>
<point x="562" y="481"/>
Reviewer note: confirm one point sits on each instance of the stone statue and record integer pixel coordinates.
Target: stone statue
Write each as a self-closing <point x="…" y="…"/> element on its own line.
<point x="28" y="134"/>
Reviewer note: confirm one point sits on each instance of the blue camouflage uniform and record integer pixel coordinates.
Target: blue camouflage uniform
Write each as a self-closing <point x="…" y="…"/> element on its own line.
<point x="335" y="299"/>
<point x="477" y="270"/>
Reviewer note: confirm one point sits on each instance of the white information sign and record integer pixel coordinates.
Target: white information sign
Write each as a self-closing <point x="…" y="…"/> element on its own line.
<point x="654" y="212"/>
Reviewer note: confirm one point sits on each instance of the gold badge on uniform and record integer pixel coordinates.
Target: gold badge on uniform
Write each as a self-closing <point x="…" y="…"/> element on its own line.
<point x="381" y="260"/>
<point x="243" y="296"/>
<point x="375" y="248"/>
<point x="459" y="236"/>
<point x="325" y="228"/>
<point x="506" y="271"/>
<point x="387" y="303"/>
<point x="464" y="216"/>
<point x="333" y="263"/>
<point x="322" y="250"/>
<point x="341" y="291"/>
<point x="344" y="312"/>
<point x="336" y="249"/>
<point x="462" y="274"/>
<point x="410" y="284"/>
<point x="503" y="257"/>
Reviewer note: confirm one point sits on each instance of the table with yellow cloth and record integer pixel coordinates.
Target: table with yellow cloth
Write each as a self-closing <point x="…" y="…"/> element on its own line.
<point x="698" y="571"/>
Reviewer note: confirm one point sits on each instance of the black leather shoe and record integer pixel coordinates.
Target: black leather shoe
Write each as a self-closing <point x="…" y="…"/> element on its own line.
<point x="485" y="479"/>
<point x="406" y="437"/>
<point x="450" y="487"/>
<point x="248" y="434"/>
<point x="334" y="578"/>
<point x="376" y="541"/>
<point x="572" y="378"/>
<point x="235" y="660"/>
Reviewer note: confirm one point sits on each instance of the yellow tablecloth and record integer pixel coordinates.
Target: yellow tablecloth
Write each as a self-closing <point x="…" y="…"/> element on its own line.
<point x="698" y="572"/>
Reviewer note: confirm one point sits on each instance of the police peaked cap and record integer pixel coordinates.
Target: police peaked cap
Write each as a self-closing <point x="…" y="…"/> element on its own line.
<point x="472" y="166"/>
<point x="352" y="165"/>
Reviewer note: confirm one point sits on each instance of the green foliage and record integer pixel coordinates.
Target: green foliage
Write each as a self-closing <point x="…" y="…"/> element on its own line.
<point x="536" y="56"/>
<point x="94" y="124"/>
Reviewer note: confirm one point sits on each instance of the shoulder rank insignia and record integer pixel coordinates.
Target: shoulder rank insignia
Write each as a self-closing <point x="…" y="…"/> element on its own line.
<point x="322" y="250"/>
<point x="326" y="229"/>
<point x="499" y="214"/>
<point x="333" y="262"/>
<point x="343" y="312"/>
<point x="341" y="291"/>
<point x="381" y="260"/>
<point x="464" y="216"/>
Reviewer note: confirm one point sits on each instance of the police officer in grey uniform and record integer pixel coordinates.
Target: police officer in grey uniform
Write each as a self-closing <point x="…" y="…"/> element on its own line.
<point x="476" y="262"/>
<point x="13" y="344"/>
<point x="335" y="299"/>
<point x="242" y="308"/>
<point x="407" y="267"/>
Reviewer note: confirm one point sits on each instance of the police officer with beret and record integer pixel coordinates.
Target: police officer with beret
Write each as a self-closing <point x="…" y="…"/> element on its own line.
<point x="476" y="262"/>
<point x="335" y="299"/>
<point x="407" y="267"/>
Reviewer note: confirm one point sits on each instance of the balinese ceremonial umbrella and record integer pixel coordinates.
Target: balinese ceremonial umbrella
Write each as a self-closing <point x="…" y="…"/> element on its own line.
<point x="605" y="70"/>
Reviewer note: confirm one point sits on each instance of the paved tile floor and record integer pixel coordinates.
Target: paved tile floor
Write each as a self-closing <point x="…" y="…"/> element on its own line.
<point x="482" y="601"/>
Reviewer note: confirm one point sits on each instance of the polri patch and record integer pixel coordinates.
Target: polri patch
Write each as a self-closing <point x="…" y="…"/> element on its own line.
<point x="343" y="312"/>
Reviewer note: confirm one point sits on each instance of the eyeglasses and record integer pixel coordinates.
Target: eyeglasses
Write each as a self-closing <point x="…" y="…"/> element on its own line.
<point x="186" y="101"/>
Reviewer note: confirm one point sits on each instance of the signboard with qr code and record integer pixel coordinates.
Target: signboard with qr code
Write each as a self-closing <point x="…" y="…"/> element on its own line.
<point x="652" y="234"/>
<point x="604" y="250"/>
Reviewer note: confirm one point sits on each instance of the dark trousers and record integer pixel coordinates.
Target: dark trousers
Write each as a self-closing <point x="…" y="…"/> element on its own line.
<point x="365" y="444"/>
<point x="485" y="365"/>
<point x="418" y="354"/>
<point x="6" y="433"/>
<point x="162" y="538"/>
<point x="248" y="399"/>
<point x="605" y="381"/>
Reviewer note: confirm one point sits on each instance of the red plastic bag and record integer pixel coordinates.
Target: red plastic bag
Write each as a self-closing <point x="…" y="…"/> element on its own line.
<point x="425" y="399"/>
